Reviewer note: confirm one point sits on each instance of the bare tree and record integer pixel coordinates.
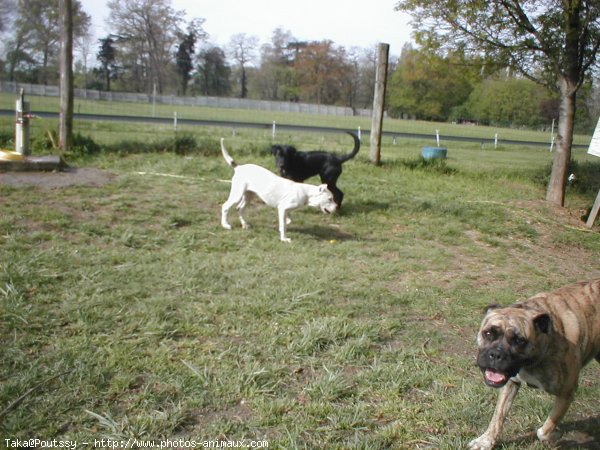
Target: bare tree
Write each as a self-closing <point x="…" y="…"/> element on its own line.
<point x="147" y="32"/>
<point x="8" y="9"/>
<point x="243" y="50"/>
<point x="84" y="46"/>
<point x="275" y="75"/>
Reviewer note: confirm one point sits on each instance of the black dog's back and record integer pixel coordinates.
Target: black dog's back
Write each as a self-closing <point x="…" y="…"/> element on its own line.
<point x="299" y="166"/>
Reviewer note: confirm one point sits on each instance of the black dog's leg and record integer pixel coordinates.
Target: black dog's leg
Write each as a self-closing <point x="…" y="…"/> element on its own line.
<point x="329" y="175"/>
<point x="338" y="195"/>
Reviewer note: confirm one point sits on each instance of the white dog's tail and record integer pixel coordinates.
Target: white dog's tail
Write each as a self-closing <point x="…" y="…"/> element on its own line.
<point x="226" y="155"/>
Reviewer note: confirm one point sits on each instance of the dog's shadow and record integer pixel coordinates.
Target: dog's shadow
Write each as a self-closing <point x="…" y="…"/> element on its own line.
<point x="583" y="433"/>
<point x="324" y="233"/>
<point x="362" y="207"/>
<point x="580" y="434"/>
<point x="349" y="209"/>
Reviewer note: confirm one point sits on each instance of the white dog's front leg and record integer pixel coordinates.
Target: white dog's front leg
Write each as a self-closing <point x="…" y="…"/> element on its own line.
<point x="236" y="197"/>
<point x="241" y="209"/>
<point x="224" y="213"/>
<point x="282" y="212"/>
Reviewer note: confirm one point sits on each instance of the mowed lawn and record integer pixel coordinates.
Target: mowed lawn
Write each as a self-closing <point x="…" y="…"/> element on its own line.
<point x="128" y="312"/>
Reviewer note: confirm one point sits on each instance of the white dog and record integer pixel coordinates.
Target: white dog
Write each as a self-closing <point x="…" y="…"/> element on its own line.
<point x="275" y="191"/>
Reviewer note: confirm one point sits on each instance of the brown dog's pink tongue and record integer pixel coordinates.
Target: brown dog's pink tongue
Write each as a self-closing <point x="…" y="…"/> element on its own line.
<point x="494" y="377"/>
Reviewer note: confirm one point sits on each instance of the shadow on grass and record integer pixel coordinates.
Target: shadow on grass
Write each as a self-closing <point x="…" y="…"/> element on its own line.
<point x="324" y="233"/>
<point x="584" y="434"/>
<point x="362" y="207"/>
<point x="579" y="434"/>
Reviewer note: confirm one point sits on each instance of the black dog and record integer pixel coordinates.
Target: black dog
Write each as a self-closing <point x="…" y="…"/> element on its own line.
<point x="298" y="166"/>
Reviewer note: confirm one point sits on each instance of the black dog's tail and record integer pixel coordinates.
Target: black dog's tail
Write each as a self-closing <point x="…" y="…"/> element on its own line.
<point x="353" y="153"/>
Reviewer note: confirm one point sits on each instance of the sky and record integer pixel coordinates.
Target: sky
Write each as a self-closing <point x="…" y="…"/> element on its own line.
<point x="349" y="24"/>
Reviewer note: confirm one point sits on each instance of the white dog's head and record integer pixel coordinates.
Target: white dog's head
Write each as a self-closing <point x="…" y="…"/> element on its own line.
<point x="323" y="199"/>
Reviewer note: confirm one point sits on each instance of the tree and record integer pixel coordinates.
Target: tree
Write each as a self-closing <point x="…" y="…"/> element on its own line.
<point x="17" y="55"/>
<point x="511" y="102"/>
<point x="37" y="36"/>
<point x="7" y="12"/>
<point x="185" y="52"/>
<point x="276" y="78"/>
<point x="146" y="33"/>
<point x="554" y="43"/>
<point x="242" y="48"/>
<point x="323" y="73"/>
<point x="213" y="72"/>
<point x="428" y="86"/>
<point x="363" y="67"/>
<point x="183" y="60"/>
<point x="84" y="45"/>
<point x="107" y="56"/>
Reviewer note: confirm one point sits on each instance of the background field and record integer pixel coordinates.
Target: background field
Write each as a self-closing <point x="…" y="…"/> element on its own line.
<point x="41" y="105"/>
<point x="127" y="311"/>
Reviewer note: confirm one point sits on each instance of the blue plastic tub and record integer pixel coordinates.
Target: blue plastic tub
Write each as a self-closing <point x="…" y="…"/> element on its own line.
<point x="434" y="152"/>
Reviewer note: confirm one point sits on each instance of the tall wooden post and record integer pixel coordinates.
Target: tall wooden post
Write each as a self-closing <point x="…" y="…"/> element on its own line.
<point x="379" y="102"/>
<point x="66" y="74"/>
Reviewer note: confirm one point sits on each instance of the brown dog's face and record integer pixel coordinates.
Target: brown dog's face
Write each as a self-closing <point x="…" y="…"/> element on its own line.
<point x="509" y="339"/>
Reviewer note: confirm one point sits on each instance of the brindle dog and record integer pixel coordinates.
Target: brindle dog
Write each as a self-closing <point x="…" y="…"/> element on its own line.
<point x="544" y="342"/>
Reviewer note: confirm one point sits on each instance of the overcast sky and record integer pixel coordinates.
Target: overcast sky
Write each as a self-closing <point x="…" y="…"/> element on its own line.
<point x="349" y="24"/>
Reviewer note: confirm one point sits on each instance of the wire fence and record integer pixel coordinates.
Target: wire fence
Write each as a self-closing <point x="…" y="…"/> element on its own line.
<point x="172" y="100"/>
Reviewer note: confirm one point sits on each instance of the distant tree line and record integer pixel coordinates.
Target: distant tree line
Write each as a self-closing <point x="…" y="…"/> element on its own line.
<point x="151" y="48"/>
<point x="453" y="87"/>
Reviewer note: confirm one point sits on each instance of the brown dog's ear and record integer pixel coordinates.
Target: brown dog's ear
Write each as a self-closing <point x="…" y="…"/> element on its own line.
<point x="491" y="307"/>
<point x="543" y="322"/>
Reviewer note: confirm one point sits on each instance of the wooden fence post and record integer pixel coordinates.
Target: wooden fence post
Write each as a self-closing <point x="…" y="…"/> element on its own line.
<point x="66" y="74"/>
<point x="379" y="102"/>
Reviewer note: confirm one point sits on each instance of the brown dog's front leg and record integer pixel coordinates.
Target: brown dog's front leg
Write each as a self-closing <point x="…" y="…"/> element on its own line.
<point x="505" y="399"/>
<point x="561" y="405"/>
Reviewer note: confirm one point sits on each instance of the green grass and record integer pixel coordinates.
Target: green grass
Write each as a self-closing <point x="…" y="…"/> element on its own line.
<point x="127" y="311"/>
<point x="83" y="106"/>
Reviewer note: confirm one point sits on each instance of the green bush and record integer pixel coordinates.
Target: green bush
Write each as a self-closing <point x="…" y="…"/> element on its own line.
<point x="181" y="145"/>
<point x="437" y="165"/>
<point x="6" y="139"/>
<point x="84" y="146"/>
<point x="584" y="176"/>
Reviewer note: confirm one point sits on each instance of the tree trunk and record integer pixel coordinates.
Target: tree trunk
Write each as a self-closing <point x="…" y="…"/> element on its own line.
<point x="562" y="156"/>
<point x="66" y="75"/>
<point x="244" y="92"/>
<point x="106" y="78"/>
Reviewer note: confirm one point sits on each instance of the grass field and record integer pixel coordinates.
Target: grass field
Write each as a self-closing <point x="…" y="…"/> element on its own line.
<point x="128" y="312"/>
<point x="83" y="106"/>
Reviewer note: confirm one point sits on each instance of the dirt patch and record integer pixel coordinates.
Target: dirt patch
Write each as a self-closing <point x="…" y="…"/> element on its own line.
<point x="50" y="180"/>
